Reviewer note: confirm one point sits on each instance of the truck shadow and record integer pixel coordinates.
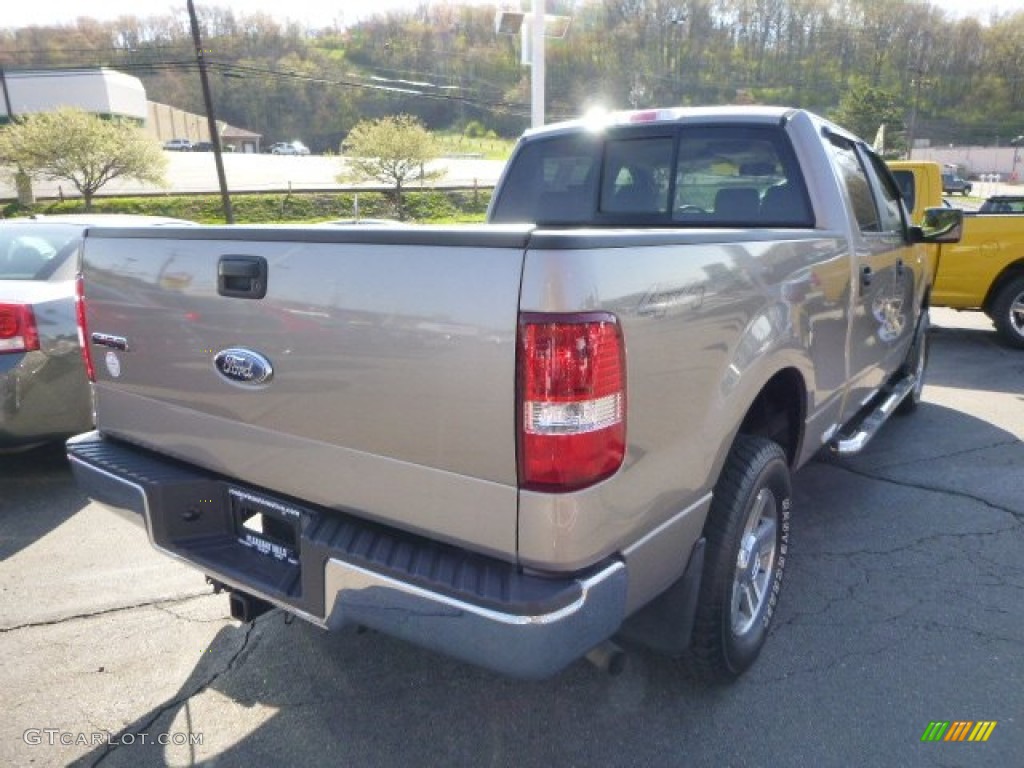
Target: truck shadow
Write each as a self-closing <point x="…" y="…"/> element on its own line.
<point x="973" y="358"/>
<point x="365" y="699"/>
<point x="37" y="494"/>
<point x="926" y="488"/>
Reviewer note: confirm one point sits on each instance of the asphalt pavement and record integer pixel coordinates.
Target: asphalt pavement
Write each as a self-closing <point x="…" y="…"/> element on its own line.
<point x="902" y="607"/>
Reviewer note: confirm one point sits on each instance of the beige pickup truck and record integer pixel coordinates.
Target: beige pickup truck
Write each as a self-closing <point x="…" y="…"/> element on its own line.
<point x="514" y="442"/>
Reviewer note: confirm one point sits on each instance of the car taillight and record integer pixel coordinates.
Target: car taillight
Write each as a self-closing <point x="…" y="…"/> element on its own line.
<point x="18" y="332"/>
<point x="572" y="400"/>
<point x="83" y="331"/>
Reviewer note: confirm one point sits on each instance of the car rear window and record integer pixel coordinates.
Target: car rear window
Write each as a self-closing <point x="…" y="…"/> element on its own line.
<point x="706" y="176"/>
<point x="37" y="251"/>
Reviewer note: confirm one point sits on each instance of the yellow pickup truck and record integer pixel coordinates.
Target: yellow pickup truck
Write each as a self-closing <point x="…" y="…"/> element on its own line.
<point x="985" y="270"/>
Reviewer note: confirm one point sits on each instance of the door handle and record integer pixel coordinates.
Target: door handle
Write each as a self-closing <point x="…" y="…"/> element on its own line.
<point x="242" y="277"/>
<point x="865" y="276"/>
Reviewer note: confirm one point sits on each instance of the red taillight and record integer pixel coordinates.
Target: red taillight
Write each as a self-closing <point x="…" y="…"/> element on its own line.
<point x="572" y="401"/>
<point x="83" y="331"/>
<point x="18" y="332"/>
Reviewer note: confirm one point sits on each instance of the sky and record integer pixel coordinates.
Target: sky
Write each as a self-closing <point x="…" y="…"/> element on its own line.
<point x="318" y="13"/>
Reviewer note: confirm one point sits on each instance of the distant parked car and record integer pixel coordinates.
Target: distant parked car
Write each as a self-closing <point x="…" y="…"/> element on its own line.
<point x="44" y="393"/>
<point x="952" y="184"/>
<point x="178" y="145"/>
<point x="1003" y="204"/>
<point x="289" y="148"/>
<point x="207" y="146"/>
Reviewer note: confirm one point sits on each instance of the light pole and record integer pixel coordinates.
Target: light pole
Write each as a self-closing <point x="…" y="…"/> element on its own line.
<point x="534" y="29"/>
<point x="537" y="65"/>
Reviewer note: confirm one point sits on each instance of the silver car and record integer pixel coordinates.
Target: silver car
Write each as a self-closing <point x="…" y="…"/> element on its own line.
<point x="289" y="148"/>
<point x="44" y="394"/>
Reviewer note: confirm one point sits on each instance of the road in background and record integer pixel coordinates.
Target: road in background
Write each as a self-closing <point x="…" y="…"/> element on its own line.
<point x="193" y="172"/>
<point x="902" y="607"/>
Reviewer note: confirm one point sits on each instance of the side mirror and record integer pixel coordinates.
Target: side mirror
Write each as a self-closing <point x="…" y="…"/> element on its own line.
<point x="940" y="225"/>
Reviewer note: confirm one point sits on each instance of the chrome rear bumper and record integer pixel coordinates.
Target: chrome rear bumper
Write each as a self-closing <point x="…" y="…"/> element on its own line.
<point x="337" y="569"/>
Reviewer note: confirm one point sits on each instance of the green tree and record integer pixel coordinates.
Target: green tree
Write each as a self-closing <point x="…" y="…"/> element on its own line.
<point x="393" y="150"/>
<point x="70" y="144"/>
<point x="863" y="108"/>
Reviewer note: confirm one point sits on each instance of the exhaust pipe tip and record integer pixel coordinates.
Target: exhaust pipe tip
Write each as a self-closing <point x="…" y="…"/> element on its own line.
<point x="608" y="657"/>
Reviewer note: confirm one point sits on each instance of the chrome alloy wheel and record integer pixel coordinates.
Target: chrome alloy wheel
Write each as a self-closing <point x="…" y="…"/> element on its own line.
<point x="1016" y="317"/>
<point x="755" y="563"/>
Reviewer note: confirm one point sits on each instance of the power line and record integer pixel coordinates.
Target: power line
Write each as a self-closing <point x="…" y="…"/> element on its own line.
<point x="230" y="69"/>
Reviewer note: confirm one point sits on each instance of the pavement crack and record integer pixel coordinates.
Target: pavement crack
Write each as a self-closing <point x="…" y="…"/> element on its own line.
<point x="106" y="611"/>
<point x="952" y="454"/>
<point x="1016" y="514"/>
<point x="143" y="727"/>
<point x="168" y="608"/>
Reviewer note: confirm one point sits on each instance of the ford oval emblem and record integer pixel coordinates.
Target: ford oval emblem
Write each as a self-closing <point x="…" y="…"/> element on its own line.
<point x="243" y="366"/>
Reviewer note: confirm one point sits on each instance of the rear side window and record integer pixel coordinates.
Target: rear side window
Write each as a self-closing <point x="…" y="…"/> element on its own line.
<point x="699" y="176"/>
<point x="552" y="181"/>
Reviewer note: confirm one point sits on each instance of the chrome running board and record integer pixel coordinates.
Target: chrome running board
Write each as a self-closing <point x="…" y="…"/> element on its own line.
<point x="867" y="428"/>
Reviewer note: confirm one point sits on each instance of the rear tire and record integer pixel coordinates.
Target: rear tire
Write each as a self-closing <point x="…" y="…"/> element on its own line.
<point x="1008" y="312"/>
<point x="747" y="533"/>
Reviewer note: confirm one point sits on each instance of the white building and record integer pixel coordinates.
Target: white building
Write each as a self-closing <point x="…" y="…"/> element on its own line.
<point x="109" y="93"/>
<point x="1006" y="162"/>
<point x="100" y="91"/>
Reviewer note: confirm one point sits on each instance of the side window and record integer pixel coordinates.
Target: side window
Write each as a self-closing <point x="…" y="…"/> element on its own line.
<point x="891" y="215"/>
<point x="905" y="181"/>
<point x="858" y="188"/>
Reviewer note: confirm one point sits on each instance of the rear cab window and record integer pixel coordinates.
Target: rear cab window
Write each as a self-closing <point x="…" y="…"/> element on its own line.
<point x="671" y="176"/>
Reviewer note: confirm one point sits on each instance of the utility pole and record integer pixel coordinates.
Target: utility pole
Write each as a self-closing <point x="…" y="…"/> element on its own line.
<point x="7" y="96"/>
<point x="916" y="82"/>
<point x="229" y="216"/>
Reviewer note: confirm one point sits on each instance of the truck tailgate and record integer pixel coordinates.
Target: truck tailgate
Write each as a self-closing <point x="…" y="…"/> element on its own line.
<point x="375" y="376"/>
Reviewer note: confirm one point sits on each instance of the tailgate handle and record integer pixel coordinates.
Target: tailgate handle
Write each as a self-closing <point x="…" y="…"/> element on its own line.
<point x="242" y="277"/>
